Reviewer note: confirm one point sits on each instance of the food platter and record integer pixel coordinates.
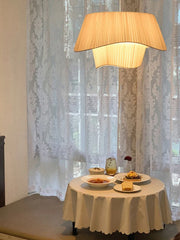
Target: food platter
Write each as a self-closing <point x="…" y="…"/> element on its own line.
<point x="98" y="181"/>
<point x="118" y="187"/>
<point x="144" y="178"/>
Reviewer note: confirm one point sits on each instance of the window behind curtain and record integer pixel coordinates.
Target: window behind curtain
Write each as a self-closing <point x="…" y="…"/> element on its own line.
<point x="175" y="111"/>
<point x="93" y="93"/>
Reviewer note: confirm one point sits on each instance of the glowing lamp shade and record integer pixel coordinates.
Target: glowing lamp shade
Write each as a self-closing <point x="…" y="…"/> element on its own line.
<point x="126" y="55"/>
<point x="119" y="38"/>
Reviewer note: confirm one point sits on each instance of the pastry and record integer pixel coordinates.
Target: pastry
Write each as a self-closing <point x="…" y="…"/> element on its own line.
<point x="127" y="186"/>
<point x="132" y="176"/>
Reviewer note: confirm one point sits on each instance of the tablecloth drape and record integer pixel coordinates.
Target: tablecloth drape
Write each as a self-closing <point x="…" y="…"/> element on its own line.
<point x="107" y="211"/>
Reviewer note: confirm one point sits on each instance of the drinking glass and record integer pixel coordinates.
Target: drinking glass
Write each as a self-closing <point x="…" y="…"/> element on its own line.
<point x="111" y="166"/>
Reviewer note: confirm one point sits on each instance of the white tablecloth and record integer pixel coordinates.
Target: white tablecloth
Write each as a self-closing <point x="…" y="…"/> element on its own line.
<point x="106" y="210"/>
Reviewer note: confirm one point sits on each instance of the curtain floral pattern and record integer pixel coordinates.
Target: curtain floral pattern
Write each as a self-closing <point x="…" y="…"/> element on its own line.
<point x="148" y="104"/>
<point x="78" y="115"/>
<point x="72" y="107"/>
<point x="157" y="137"/>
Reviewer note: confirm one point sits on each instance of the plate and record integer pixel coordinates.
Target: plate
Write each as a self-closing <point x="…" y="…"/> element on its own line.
<point x="118" y="187"/>
<point x="144" y="177"/>
<point x="106" y="178"/>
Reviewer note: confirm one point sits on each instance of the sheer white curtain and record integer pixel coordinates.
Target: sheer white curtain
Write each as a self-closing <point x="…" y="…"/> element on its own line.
<point x="149" y="104"/>
<point x="145" y="100"/>
<point x="175" y="111"/>
<point x="156" y="141"/>
<point x="72" y="107"/>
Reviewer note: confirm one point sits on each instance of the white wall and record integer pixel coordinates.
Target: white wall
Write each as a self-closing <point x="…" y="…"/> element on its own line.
<point x="13" y="117"/>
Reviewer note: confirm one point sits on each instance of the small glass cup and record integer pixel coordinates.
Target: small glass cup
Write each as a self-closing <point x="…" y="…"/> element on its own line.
<point x="111" y="167"/>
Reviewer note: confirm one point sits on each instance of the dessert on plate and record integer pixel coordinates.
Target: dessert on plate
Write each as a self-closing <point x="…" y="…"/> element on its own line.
<point x="127" y="186"/>
<point x="132" y="176"/>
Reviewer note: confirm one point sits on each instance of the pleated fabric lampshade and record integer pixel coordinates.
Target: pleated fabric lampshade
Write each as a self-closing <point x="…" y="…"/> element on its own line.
<point x="119" y="38"/>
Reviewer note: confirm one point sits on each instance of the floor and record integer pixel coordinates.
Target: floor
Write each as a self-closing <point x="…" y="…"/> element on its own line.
<point x="62" y="230"/>
<point x="66" y="228"/>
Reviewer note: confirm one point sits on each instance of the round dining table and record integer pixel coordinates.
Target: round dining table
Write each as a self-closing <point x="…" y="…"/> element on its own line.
<point x="107" y="210"/>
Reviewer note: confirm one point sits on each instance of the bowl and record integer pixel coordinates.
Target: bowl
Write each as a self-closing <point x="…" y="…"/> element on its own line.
<point x="98" y="181"/>
<point x="96" y="171"/>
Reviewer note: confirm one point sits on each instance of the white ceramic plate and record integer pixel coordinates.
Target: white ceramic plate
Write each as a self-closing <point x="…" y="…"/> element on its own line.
<point x="144" y="177"/>
<point x="118" y="187"/>
<point x="88" y="178"/>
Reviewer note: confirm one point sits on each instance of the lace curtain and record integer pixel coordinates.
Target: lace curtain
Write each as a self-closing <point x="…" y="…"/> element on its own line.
<point x="175" y="110"/>
<point x="145" y="99"/>
<point x="72" y="107"/>
<point x="149" y="104"/>
<point x="78" y="116"/>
